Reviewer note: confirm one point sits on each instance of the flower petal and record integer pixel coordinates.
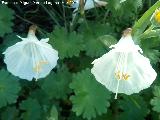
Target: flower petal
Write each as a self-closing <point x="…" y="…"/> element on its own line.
<point x="139" y="68"/>
<point x="48" y="55"/>
<point x="17" y="62"/>
<point x="24" y="58"/>
<point x="44" y="40"/>
<point x="142" y="74"/>
<point x="104" y="68"/>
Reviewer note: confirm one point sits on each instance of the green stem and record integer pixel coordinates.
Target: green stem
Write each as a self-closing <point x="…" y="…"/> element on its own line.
<point x="64" y="17"/>
<point x="85" y="20"/>
<point x="148" y="30"/>
<point x="53" y="11"/>
<point x="52" y="16"/>
<point x="74" y="22"/>
<point x="149" y="3"/>
<point x="105" y="16"/>
<point x="39" y="29"/>
<point x="24" y="19"/>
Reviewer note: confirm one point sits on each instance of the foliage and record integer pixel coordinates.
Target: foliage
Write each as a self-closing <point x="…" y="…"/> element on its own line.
<point x="53" y="114"/>
<point x="143" y="22"/>
<point x="63" y="41"/>
<point x="9" y="88"/>
<point x="108" y="40"/>
<point x="13" y="114"/>
<point x="84" y="101"/>
<point x="70" y="91"/>
<point x="5" y="20"/>
<point x="93" y="46"/>
<point x="156" y="100"/>
<point x="9" y="40"/>
<point x="32" y="109"/>
<point x="150" y="49"/>
<point x="57" y="83"/>
<point x="139" y="108"/>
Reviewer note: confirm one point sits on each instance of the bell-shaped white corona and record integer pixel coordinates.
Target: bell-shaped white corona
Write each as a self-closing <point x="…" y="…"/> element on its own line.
<point x="124" y="69"/>
<point x="31" y="58"/>
<point x="89" y="4"/>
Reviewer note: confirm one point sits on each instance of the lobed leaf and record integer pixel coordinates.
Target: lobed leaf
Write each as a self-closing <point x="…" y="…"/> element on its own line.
<point x="9" y="88"/>
<point x="149" y="47"/>
<point x="134" y="108"/>
<point x="68" y="44"/>
<point x="5" y="19"/>
<point x="53" y="114"/>
<point x="56" y="85"/>
<point x="10" y="113"/>
<point x="91" y="32"/>
<point x="155" y="102"/>
<point x="91" y="98"/>
<point x="32" y="109"/>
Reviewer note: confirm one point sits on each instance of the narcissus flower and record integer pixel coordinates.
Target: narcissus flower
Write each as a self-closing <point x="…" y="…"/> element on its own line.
<point x="124" y="69"/>
<point x="31" y="58"/>
<point x="89" y="4"/>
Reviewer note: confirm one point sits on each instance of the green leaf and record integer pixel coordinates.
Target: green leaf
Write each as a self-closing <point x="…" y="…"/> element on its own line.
<point x="124" y="9"/>
<point x="155" y="102"/>
<point x="108" y="40"/>
<point x="56" y="85"/>
<point x="40" y="96"/>
<point x="139" y="3"/>
<point x="32" y="109"/>
<point x="106" y="116"/>
<point x="153" y="55"/>
<point x="9" y="88"/>
<point x="114" y="4"/>
<point x="6" y="17"/>
<point x="74" y="117"/>
<point x="53" y="114"/>
<point x="154" y="116"/>
<point x="91" y="32"/>
<point x="68" y="44"/>
<point x="144" y="21"/>
<point x="10" y="113"/>
<point x="134" y="108"/>
<point x="8" y="41"/>
<point x="149" y="48"/>
<point x="85" y="102"/>
<point x="150" y="34"/>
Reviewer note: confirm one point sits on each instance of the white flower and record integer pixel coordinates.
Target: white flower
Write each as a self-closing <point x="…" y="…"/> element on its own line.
<point x="31" y="58"/>
<point x="89" y="4"/>
<point x="123" y="69"/>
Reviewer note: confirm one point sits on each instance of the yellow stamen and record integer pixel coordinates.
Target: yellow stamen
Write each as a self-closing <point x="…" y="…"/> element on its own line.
<point x="121" y="76"/>
<point x="157" y="16"/>
<point x="125" y="76"/>
<point x="43" y="62"/>
<point x="38" y="66"/>
<point x="117" y="75"/>
<point x="69" y="2"/>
